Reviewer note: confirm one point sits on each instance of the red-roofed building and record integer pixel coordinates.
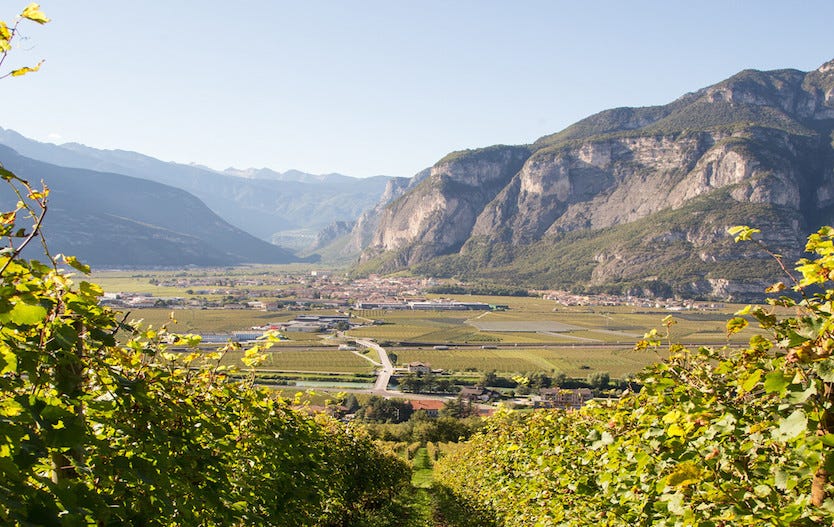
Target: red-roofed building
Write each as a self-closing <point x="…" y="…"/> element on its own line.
<point x="432" y="407"/>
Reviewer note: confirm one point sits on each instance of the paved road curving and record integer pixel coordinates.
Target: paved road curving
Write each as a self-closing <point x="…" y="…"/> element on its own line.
<point x="384" y="376"/>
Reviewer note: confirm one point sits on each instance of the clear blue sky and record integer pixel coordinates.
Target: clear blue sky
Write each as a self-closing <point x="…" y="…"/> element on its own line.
<point x="376" y="87"/>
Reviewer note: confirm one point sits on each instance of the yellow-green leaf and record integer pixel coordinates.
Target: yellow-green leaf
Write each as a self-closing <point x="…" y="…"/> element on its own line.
<point x="10" y="408"/>
<point x="736" y="324"/>
<point x="10" y="360"/>
<point x="33" y="12"/>
<point x="675" y="430"/>
<point x="777" y="382"/>
<point x="776" y="288"/>
<point x="742" y="232"/>
<point x="744" y="311"/>
<point x="24" y="314"/>
<point x="6" y="175"/>
<point x="90" y="290"/>
<point x="751" y="381"/>
<point x="685" y="474"/>
<point x="23" y="71"/>
<point x="73" y="262"/>
<point x="791" y="426"/>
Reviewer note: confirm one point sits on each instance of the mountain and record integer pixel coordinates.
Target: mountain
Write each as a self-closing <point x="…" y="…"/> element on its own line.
<point x="292" y="206"/>
<point x="343" y="241"/>
<point x="632" y="199"/>
<point x="112" y="220"/>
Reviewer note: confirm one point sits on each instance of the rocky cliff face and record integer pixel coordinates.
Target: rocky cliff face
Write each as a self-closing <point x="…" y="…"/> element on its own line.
<point x="754" y="149"/>
<point x="437" y="216"/>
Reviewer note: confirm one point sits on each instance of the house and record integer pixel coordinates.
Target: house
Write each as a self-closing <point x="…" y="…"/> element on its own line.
<point x="302" y="327"/>
<point x="419" y="368"/>
<point x="477" y="393"/>
<point x="563" y="398"/>
<point x="432" y="407"/>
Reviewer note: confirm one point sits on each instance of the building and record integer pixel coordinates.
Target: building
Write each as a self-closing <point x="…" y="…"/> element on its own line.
<point x="419" y="368"/>
<point x="432" y="407"/>
<point x="478" y="394"/>
<point x="449" y="306"/>
<point x="563" y="398"/>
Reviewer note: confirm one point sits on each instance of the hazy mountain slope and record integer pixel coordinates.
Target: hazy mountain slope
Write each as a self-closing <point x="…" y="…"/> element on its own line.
<point x="261" y="202"/>
<point x="115" y="220"/>
<point x="343" y="242"/>
<point x="631" y="196"/>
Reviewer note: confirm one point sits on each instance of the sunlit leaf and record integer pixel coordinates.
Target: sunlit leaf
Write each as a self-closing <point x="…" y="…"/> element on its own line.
<point x="777" y="382"/>
<point x="776" y="288"/>
<point x="33" y="12"/>
<point x="26" y="69"/>
<point x="685" y="474"/>
<point x="791" y="426"/>
<point x="736" y="324"/>
<point x="73" y="262"/>
<point x="751" y="381"/>
<point x="24" y="313"/>
<point x="742" y="232"/>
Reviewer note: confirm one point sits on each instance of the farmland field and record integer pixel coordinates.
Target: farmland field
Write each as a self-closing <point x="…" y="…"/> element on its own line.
<point x="313" y="360"/>
<point x="574" y="362"/>
<point x="534" y="334"/>
<point x="204" y="320"/>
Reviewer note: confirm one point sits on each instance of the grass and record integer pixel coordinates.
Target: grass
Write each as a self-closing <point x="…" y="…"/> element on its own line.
<point x="422" y="474"/>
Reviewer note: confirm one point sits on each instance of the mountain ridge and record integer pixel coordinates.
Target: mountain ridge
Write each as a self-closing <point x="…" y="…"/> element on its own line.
<point x="114" y="220"/>
<point x="757" y="141"/>
<point x="265" y="207"/>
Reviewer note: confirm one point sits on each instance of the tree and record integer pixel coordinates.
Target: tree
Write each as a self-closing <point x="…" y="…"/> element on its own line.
<point x="458" y="408"/>
<point x="599" y="380"/>
<point x="380" y="410"/>
<point x="410" y="382"/>
<point x="489" y="378"/>
<point x="539" y="380"/>
<point x="351" y="403"/>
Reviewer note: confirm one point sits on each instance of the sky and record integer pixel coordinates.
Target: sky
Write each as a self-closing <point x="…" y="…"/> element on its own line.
<point x="372" y="87"/>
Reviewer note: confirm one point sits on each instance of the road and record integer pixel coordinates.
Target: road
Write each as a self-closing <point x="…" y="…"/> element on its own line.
<point x="384" y="376"/>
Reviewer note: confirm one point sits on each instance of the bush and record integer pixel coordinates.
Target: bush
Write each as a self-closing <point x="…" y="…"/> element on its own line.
<point x="732" y="436"/>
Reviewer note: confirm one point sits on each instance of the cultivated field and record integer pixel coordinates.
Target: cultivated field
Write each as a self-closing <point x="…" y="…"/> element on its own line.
<point x="572" y="361"/>
<point x="532" y="335"/>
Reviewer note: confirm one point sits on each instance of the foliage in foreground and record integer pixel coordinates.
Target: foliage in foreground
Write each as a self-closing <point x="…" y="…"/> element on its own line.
<point x="97" y="433"/>
<point x="92" y="433"/>
<point x="716" y="437"/>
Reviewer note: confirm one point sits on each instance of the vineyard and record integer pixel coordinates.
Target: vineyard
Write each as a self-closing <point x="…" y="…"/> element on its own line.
<point x="716" y="436"/>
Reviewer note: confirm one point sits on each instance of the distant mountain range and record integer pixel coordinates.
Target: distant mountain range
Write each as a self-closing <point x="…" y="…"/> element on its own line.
<point x="631" y="200"/>
<point x="289" y="208"/>
<point x="109" y="219"/>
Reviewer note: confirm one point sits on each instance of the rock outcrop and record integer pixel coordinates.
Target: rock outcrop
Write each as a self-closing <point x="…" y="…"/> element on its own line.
<point x="645" y="193"/>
